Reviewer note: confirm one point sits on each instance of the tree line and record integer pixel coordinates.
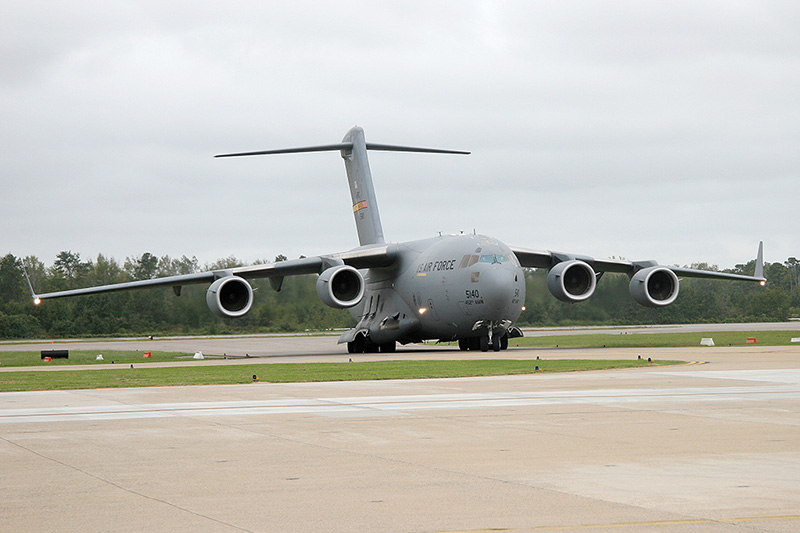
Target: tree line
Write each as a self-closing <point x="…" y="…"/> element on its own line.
<point x="158" y="311"/>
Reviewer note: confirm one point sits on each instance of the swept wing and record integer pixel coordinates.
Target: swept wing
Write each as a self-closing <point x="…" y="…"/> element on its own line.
<point x="549" y="259"/>
<point x="364" y="257"/>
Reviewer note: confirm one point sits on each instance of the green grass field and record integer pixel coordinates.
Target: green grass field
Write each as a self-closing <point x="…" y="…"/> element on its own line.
<point x="200" y="374"/>
<point x="657" y="340"/>
<point x="88" y="357"/>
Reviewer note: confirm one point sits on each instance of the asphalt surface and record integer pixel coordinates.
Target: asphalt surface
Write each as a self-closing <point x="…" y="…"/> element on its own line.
<point x="710" y="446"/>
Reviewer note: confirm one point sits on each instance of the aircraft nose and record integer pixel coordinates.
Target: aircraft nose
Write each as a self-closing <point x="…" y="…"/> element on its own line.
<point x="497" y="287"/>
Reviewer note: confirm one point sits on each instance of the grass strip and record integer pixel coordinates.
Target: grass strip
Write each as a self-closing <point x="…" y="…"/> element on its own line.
<point x="657" y="340"/>
<point x="296" y="373"/>
<point x="89" y="357"/>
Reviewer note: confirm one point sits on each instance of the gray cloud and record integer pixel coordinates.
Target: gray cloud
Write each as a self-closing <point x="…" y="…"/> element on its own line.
<point x="666" y="130"/>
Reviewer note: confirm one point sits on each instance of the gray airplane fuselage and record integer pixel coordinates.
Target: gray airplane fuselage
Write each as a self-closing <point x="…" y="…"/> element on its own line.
<point x="448" y="287"/>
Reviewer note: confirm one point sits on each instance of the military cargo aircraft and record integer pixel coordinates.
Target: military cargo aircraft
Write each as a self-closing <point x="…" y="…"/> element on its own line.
<point x="468" y="288"/>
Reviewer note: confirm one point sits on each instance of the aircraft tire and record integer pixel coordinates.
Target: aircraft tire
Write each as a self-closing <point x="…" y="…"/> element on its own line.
<point x="371" y="347"/>
<point x="496" y="344"/>
<point x="484" y="343"/>
<point x="356" y="346"/>
<point x="463" y="344"/>
<point x="504" y="342"/>
<point x="388" y="347"/>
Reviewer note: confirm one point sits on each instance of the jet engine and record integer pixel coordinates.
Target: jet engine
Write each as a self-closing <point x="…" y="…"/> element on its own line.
<point x="229" y="296"/>
<point x="571" y="281"/>
<point x="655" y="286"/>
<point x="340" y="286"/>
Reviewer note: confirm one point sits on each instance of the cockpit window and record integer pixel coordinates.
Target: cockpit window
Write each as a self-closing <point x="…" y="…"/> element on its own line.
<point x="469" y="260"/>
<point x="495" y="258"/>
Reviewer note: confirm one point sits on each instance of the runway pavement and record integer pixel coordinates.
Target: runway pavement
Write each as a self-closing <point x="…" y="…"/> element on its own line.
<point x="701" y="447"/>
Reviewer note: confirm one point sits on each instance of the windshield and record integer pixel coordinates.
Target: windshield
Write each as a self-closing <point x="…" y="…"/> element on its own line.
<point x="469" y="260"/>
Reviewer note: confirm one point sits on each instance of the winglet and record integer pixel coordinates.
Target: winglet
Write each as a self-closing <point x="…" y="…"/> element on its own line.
<point x="759" y="273"/>
<point x="36" y="299"/>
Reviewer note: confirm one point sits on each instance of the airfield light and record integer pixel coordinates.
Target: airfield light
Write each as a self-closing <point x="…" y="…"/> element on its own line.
<point x="762" y="282"/>
<point x="37" y="301"/>
<point x="524" y="308"/>
<point x="422" y="310"/>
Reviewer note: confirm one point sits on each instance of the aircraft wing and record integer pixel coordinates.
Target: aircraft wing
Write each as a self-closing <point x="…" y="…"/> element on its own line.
<point x="363" y="257"/>
<point x="175" y="281"/>
<point x="548" y="259"/>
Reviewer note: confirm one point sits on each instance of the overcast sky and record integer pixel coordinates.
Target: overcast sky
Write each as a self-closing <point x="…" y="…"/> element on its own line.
<point x="644" y="130"/>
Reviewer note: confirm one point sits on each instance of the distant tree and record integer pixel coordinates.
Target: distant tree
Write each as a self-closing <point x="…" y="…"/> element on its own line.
<point x="793" y="266"/>
<point x="175" y="267"/>
<point x="142" y="267"/>
<point x="11" y="279"/>
<point x="37" y="272"/>
<point x="18" y="326"/>
<point x="227" y="262"/>
<point x="105" y="271"/>
<point x="68" y="269"/>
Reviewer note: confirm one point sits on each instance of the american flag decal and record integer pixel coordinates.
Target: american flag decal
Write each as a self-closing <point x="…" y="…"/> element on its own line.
<point x="359" y="206"/>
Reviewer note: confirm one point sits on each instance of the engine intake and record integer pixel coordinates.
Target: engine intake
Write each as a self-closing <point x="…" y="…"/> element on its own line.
<point x="571" y="281"/>
<point x="340" y="287"/>
<point x="230" y="296"/>
<point x="655" y="286"/>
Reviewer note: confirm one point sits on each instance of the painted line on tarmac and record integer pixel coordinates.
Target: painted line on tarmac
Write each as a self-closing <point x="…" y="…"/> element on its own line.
<point x="648" y="523"/>
<point x="369" y="406"/>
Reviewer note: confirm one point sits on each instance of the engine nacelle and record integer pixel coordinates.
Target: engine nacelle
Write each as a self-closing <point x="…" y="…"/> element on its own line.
<point x="341" y="287"/>
<point x="655" y="286"/>
<point x="229" y="296"/>
<point x="571" y="281"/>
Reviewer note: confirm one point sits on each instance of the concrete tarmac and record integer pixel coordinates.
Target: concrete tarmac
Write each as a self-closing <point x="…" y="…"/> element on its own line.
<point x="699" y="447"/>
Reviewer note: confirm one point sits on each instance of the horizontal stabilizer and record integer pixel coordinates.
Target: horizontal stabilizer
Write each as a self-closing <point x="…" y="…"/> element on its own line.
<point x="393" y="148"/>
<point x="321" y="148"/>
<point x="346" y="146"/>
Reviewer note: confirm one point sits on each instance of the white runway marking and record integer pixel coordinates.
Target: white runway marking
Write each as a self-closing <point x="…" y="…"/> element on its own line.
<point x="780" y="375"/>
<point x="775" y="385"/>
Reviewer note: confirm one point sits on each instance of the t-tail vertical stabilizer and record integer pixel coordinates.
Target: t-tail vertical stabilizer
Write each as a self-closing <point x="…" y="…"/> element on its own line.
<point x="362" y="191"/>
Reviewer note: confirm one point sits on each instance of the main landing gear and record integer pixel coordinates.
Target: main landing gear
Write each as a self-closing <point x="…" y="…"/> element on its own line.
<point x="362" y="345"/>
<point x="483" y="344"/>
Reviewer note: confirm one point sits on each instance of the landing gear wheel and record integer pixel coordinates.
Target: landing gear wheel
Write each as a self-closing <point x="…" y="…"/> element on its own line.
<point x="496" y="344"/>
<point x="504" y="342"/>
<point x="463" y="344"/>
<point x="484" y="343"/>
<point x="356" y="345"/>
<point x="388" y="347"/>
